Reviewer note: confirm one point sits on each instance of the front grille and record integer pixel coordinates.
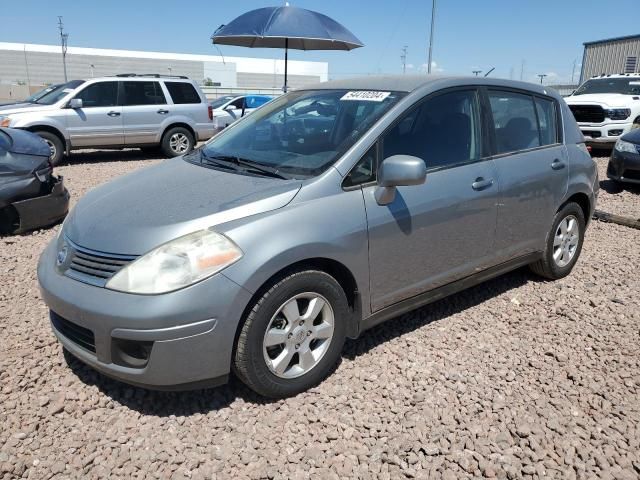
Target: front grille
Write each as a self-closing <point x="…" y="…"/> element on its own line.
<point x="94" y="267"/>
<point x="591" y="133"/>
<point x="81" y="336"/>
<point x="588" y="113"/>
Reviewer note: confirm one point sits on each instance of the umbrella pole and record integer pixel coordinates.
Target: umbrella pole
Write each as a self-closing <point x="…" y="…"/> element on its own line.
<point x="286" y="60"/>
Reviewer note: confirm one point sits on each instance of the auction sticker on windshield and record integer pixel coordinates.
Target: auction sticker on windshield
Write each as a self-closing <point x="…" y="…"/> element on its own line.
<point x="369" y="96"/>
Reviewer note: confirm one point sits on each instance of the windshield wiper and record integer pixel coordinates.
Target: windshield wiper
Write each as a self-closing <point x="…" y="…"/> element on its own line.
<point x="248" y="164"/>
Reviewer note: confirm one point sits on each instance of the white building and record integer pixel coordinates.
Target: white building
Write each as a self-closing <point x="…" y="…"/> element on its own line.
<point x="36" y="65"/>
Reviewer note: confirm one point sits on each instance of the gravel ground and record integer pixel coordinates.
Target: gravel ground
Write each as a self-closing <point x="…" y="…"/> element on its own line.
<point x="515" y="378"/>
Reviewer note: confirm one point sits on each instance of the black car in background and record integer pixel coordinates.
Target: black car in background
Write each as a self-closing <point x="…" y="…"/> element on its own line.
<point x="624" y="164"/>
<point x="30" y="195"/>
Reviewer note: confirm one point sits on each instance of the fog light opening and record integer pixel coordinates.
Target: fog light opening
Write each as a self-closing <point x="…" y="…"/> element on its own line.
<point x="615" y="133"/>
<point x="131" y="353"/>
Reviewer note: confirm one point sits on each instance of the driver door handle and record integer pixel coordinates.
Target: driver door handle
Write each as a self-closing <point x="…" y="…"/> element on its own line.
<point x="481" y="183"/>
<point x="114" y="114"/>
<point x="557" y="164"/>
<point x="163" y="112"/>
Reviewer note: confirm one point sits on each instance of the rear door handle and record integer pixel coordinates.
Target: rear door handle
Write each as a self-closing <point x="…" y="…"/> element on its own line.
<point x="163" y="112"/>
<point x="114" y="114"/>
<point x="481" y="183"/>
<point x="557" y="164"/>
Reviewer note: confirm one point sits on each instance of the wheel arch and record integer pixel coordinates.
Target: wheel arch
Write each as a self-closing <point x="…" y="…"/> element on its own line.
<point x="50" y="129"/>
<point x="183" y="125"/>
<point x="335" y="269"/>
<point x="582" y="199"/>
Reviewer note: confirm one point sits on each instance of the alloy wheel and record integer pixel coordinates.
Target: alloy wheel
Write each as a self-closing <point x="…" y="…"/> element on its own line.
<point x="179" y="143"/>
<point x="565" y="242"/>
<point x="298" y="335"/>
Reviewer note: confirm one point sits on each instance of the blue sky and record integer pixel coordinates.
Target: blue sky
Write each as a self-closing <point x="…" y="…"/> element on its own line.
<point x="469" y="35"/>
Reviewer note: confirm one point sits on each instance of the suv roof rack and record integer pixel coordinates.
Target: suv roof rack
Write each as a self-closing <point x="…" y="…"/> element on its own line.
<point x="154" y="75"/>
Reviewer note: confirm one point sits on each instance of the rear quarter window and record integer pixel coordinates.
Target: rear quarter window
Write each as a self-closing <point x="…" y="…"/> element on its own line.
<point x="183" y="93"/>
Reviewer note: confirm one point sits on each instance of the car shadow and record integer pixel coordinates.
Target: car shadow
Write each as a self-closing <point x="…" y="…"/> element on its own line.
<point x="81" y="157"/>
<point x="164" y="404"/>
<point x="615" y="188"/>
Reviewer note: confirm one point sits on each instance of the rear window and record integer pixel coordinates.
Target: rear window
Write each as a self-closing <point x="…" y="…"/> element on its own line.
<point x="515" y="122"/>
<point x="143" y="93"/>
<point x="182" y="92"/>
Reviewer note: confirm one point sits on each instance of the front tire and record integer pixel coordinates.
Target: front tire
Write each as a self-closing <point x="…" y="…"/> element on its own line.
<point x="564" y="243"/>
<point x="293" y="335"/>
<point x="177" y="141"/>
<point x="55" y="145"/>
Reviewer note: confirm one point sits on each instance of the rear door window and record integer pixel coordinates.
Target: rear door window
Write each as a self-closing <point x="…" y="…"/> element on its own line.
<point x="103" y="94"/>
<point x="183" y="93"/>
<point x="547" y="120"/>
<point x="515" y="121"/>
<point x="143" y="93"/>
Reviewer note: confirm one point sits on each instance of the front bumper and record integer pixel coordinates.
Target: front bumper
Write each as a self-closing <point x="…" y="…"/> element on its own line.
<point x="604" y="134"/>
<point x="624" y="167"/>
<point x="189" y="333"/>
<point x="44" y="210"/>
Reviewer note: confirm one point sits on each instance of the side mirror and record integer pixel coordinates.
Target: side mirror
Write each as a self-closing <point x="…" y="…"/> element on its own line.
<point x="75" y="103"/>
<point x="398" y="171"/>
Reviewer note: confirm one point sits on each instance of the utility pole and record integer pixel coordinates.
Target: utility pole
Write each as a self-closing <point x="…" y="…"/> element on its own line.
<point x="522" y="70"/>
<point x="573" y="70"/>
<point x="64" y="37"/>
<point x="477" y="72"/>
<point x="433" y="19"/>
<point x="403" y="58"/>
<point x="542" y="75"/>
<point x="92" y="66"/>
<point x="26" y="66"/>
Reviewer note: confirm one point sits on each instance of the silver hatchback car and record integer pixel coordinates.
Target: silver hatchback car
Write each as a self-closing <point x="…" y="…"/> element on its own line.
<point x="327" y="211"/>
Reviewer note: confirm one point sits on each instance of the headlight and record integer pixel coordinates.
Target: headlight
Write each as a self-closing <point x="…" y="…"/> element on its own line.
<point x="623" y="146"/>
<point x="177" y="264"/>
<point x="5" y="121"/>
<point x="618" y="113"/>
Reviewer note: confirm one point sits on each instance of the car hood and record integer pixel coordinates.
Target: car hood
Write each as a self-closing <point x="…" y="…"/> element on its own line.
<point x="26" y="143"/>
<point x="614" y="100"/>
<point x="137" y="212"/>
<point x="632" y="136"/>
<point x="26" y="108"/>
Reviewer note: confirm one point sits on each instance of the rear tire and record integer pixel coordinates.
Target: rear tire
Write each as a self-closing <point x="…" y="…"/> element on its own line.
<point x="564" y="243"/>
<point x="636" y="123"/>
<point x="55" y="145"/>
<point x="177" y="141"/>
<point x="293" y="335"/>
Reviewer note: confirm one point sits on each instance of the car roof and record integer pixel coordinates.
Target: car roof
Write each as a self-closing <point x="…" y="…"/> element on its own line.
<point x="409" y="83"/>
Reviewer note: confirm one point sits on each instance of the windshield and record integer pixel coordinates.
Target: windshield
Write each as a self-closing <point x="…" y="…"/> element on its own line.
<point x="304" y="132"/>
<point x="41" y="93"/>
<point x="221" y="101"/>
<point x="59" y="93"/>
<point x="624" y="86"/>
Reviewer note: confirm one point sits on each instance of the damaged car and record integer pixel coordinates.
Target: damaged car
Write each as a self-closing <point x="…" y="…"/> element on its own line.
<point x="30" y="195"/>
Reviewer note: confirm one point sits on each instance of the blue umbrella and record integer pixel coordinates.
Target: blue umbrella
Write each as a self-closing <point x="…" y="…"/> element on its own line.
<point x="286" y="27"/>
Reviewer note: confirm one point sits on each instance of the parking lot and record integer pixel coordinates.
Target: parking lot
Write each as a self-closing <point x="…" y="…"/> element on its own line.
<point x="513" y="378"/>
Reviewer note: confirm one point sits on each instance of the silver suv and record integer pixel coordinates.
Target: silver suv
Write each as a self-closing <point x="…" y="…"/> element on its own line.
<point x="146" y="111"/>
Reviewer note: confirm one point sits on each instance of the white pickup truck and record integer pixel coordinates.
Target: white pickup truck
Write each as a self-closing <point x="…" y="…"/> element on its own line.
<point x="606" y="107"/>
